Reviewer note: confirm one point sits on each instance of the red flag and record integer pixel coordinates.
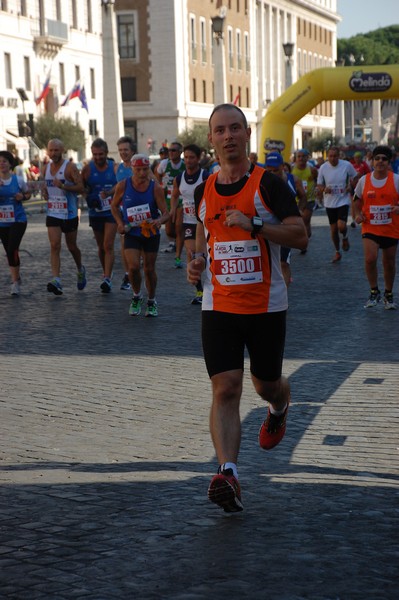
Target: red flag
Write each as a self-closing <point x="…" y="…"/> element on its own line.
<point x="45" y="90"/>
<point x="74" y="93"/>
<point x="237" y="99"/>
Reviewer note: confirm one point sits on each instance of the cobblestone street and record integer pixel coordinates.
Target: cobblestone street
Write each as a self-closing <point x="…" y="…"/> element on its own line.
<point x="106" y="454"/>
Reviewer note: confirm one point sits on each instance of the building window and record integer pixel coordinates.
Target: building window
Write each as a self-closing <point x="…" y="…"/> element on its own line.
<point x="203" y="90"/>
<point x="77" y="73"/>
<point x="62" y="78"/>
<point x="231" y="93"/>
<point x="127" y="35"/>
<point x="74" y="15"/>
<point x="89" y="17"/>
<point x="22" y="8"/>
<point x="194" y="90"/>
<point x="131" y="128"/>
<point x="193" y="39"/>
<point x="247" y="96"/>
<point x="128" y="85"/>
<point x="58" y="12"/>
<point x="230" y="48"/>
<point x="3" y="5"/>
<point x="92" y="84"/>
<point x="7" y="70"/>
<point x="298" y="25"/>
<point x="239" y="50"/>
<point x="203" y="41"/>
<point x="246" y="53"/>
<point x="28" y="82"/>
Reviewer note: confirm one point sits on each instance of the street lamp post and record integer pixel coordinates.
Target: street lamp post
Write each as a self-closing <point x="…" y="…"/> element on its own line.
<point x="288" y="48"/>
<point x="219" y="60"/>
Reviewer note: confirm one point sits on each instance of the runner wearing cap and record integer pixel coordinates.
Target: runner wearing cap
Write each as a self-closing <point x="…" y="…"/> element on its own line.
<point x="166" y="171"/>
<point x="143" y="213"/>
<point x="377" y="209"/>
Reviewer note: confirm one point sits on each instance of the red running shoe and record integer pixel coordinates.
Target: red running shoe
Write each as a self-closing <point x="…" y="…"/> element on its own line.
<point x="224" y="490"/>
<point x="273" y="429"/>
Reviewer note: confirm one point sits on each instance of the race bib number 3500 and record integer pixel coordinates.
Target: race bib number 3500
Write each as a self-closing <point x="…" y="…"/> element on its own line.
<point x="237" y="263"/>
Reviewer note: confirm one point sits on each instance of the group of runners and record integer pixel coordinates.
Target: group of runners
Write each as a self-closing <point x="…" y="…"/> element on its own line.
<point x="233" y="224"/>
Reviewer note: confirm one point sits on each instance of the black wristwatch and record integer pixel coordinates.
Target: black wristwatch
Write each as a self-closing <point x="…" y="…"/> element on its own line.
<point x="257" y="225"/>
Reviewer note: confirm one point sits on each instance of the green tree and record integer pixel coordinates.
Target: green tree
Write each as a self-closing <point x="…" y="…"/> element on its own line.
<point x="47" y="127"/>
<point x="379" y="47"/>
<point x="198" y="134"/>
<point x="322" y="142"/>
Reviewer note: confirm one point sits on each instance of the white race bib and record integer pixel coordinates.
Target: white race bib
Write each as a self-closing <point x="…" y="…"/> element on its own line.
<point x="57" y="207"/>
<point x="138" y="214"/>
<point x="380" y="215"/>
<point x="238" y="263"/>
<point x="7" y="213"/>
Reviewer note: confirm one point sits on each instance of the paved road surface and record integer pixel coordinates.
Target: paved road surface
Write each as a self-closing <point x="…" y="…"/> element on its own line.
<point x="106" y="455"/>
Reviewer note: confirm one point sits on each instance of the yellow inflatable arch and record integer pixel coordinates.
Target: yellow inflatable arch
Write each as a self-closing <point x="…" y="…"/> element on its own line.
<point x="341" y="83"/>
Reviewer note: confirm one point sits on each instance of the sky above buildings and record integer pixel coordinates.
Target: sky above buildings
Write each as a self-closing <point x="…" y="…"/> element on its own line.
<point x="362" y="16"/>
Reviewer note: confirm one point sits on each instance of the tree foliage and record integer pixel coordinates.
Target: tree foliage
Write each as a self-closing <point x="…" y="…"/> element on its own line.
<point x="379" y="47"/>
<point x="322" y="142"/>
<point x="198" y="134"/>
<point x="47" y="127"/>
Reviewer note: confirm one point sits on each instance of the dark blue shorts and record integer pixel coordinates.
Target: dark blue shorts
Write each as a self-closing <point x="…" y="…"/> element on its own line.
<point x="98" y="223"/>
<point x="139" y="242"/>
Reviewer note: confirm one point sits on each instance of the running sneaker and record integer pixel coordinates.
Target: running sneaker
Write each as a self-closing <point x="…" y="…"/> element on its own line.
<point x="198" y="298"/>
<point x="353" y="225"/>
<point x="273" y="429"/>
<point x="389" y="304"/>
<point x="178" y="263"/>
<point x="15" y="288"/>
<point x="224" y="490"/>
<point x="55" y="287"/>
<point x="152" y="309"/>
<point x="374" y="298"/>
<point x="106" y="285"/>
<point x="125" y="285"/>
<point x="171" y="247"/>
<point x="81" y="279"/>
<point x="135" y="306"/>
<point x="345" y="244"/>
<point x="337" y="257"/>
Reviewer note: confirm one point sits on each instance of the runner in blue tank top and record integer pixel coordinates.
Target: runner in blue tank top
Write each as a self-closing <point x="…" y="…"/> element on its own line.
<point x="13" y="190"/>
<point x="143" y="213"/>
<point x="126" y="148"/>
<point x="100" y="181"/>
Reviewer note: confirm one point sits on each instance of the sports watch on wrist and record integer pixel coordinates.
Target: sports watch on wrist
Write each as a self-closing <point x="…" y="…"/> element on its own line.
<point x="257" y="225"/>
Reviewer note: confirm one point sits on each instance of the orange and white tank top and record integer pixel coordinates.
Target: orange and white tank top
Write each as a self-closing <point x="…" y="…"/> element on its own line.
<point x="377" y="203"/>
<point x="243" y="274"/>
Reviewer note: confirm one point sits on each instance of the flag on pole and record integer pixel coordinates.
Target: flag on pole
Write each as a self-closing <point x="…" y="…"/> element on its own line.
<point x="237" y="99"/>
<point x="83" y="98"/>
<point x="74" y="93"/>
<point x="45" y="90"/>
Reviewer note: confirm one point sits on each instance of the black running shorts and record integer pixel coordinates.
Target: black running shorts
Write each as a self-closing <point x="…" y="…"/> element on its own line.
<point x="225" y="337"/>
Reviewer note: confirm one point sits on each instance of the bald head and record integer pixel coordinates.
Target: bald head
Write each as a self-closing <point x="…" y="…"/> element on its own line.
<point x="55" y="150"/>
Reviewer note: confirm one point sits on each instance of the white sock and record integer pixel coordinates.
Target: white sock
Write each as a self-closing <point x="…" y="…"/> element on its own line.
<point x="277" y="413"/>
<point x="229" y="465"/>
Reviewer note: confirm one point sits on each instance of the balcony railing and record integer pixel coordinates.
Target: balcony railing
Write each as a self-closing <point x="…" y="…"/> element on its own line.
<point x="49" y="36"/>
